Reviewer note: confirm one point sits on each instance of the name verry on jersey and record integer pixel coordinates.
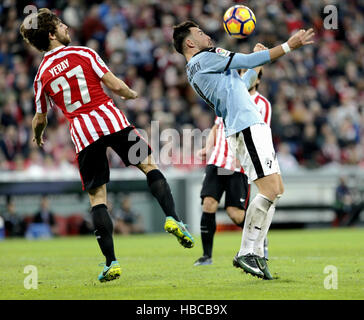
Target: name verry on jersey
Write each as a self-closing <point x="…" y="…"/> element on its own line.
<point x="59" y="67"/>
<point x="191" y="70"/>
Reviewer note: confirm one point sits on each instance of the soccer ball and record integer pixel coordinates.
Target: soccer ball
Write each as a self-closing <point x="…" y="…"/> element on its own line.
<point x="239" y="21"/>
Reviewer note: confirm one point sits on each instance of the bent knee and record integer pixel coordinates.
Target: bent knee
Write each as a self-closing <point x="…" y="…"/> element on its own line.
<point x="236" y="215"/>
<point x="209" y="205"/>
<point x="281" y="190"/>
<point x="270" y="186"/>
<point x="97" y="195"/>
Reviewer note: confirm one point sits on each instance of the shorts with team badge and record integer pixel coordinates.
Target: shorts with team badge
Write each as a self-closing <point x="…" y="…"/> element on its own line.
<point x="254" y="149"/>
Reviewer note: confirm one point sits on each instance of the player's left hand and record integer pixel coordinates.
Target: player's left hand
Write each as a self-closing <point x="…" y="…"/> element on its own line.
<point x="259" y="47"/>
<point x="301" y="38"/>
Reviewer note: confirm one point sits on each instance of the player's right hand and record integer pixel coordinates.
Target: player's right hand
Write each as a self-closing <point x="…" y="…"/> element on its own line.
<point x="39" y="141"/>
<point x="201" y="154"/>
<point x="301" y="38"/>
<point x="131" y="95"/>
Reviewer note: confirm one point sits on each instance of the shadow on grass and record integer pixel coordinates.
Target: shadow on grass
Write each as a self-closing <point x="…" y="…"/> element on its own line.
<point x="278" y="279"/>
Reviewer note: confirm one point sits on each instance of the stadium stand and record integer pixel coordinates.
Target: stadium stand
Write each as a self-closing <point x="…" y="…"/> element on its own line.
<point x="317" y="105"/>
<point x="317" y="94"/>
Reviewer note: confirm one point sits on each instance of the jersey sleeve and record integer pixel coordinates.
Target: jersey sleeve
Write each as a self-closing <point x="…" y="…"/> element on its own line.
<point x="249" y="61"/>
<point x="266" y="110"/>
<point x="221" y="60"/>
<point x="41" y="99"/>
<point x="249" y="78"/>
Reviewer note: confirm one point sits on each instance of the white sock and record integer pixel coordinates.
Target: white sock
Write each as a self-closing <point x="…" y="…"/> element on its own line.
<point x="259" y="242"/>
<point x="254" y="218"/>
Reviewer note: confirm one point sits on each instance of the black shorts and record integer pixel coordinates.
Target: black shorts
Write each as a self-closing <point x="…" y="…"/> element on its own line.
<point x="93" y="163"/>
<point x="235" y="186"/>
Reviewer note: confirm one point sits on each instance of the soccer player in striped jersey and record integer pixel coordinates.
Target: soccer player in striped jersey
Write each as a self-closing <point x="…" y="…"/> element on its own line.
<point x="212" y="73"/>
<point x="262" y="103"/>
<point x="70" y="78"/>
<point x="223" y="174"/>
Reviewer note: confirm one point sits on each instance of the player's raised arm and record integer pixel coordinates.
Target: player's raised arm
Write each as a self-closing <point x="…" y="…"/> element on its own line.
<point x="252" y="60"/>
<point x="118" y="86"/>
<point x="261" y="57"/>
<point x="299" y="39"/>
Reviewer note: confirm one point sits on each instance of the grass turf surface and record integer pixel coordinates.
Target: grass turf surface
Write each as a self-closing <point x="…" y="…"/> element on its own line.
<point x="157" y="267"/>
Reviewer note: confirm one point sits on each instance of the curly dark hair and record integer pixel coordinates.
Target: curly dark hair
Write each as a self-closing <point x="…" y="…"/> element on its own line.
<point x="38" y="37"/>
<point x="180" y="32"/>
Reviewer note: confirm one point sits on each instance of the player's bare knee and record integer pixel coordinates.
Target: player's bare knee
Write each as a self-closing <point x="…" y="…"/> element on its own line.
<point x="281" y="185"/>
<point x="236" y="215"/>
<point x="276" y="192"/>
<point x="147" y="165"/>
<point x="270" y="186"/>
<point x="97" y="195"/>
<point x="281" y="190"/>
<point x="209" y="205"/>
<point x="270" y="193"/>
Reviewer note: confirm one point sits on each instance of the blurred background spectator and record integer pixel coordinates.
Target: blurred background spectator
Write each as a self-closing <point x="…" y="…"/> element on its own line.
<point x="2" y="228"/>
<point x="14" y="224"/>
<point x="45" y="216"/>
<point x="349" y="203"/>
<point x="317" y="94"/>
<point x="126" y="220"/>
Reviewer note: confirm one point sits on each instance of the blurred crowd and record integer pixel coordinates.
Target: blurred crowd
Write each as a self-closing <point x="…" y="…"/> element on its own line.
<point x="349" y="202"/>
<point x="45" y="223"/>
<point x="317" y="93"/>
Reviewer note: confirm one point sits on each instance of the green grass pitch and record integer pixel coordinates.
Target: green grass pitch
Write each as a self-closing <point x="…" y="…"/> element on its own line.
<point x="157" y="267"/>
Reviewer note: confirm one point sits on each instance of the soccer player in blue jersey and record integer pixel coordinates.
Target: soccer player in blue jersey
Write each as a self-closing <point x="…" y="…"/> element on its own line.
<point x="212" y="73"/>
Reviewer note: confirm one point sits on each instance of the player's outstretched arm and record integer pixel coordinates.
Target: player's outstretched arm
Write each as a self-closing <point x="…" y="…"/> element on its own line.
<point x="118" y="86"/>
<point x="39" y="123"/>
<point x="261" y="57"/>
<point x="299" y="39"/>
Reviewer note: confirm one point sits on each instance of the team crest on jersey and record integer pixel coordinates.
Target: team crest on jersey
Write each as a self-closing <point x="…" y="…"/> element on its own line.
<point x="100" y="61"/>
<point x="222" y="52"/>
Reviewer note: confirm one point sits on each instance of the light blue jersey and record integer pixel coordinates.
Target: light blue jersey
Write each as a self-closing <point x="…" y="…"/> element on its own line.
<point x="212" y="74"/>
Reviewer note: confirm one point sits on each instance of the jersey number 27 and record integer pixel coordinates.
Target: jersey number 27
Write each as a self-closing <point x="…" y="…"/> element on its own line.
<point x="62" y="83"/>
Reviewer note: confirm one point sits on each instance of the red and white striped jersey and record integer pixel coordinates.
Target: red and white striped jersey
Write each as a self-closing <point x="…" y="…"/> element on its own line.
<point x="264" y="106"/>
<point x="70" y="78"/>
<point x="221" y="155"/>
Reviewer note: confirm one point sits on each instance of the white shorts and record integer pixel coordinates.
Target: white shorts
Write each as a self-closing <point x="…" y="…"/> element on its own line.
<point x="253" y="147"/>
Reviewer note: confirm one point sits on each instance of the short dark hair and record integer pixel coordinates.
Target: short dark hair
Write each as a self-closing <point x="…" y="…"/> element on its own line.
<point x="181" y="32"/>
<point x="38" y="37"/>
<point x="260" y="73"/>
